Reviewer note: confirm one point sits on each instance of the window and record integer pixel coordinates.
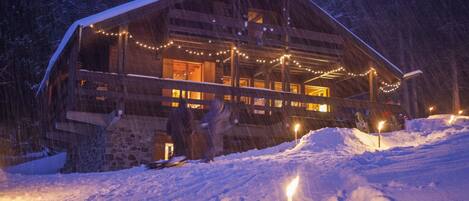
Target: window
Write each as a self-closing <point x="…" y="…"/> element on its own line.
<point x="187" y="71"/>
<point x="294" y="88"/>
<point x="259" y="101"/>
<point x="191" y="71"/>
<point x="243" y="82"/>
<point x="317" y="91"/>
<point x="259" y="84"/>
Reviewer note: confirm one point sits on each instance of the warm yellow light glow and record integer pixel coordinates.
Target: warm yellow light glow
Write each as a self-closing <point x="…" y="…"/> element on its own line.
<point x="291" y="188"/>
<point x="431" y="109"/>
<point x="297" y="127"/>
<point x="460" y="112"/>
<point x="381" y="126"/>
<point x="323" y="108"/>
<point x="452" y="119"/>
<point x="168" y="150"/>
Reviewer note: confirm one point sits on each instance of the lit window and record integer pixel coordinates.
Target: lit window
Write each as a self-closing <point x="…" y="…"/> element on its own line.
<point x="243" y="82"/>
<point x="317" y="91"/>
<point x="294" y="88"/>
<point x="259" y="101"/>
<point x="183" y="70"/>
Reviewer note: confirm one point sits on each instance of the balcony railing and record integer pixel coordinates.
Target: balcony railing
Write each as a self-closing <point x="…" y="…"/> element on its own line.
<point x="109" y="88"/>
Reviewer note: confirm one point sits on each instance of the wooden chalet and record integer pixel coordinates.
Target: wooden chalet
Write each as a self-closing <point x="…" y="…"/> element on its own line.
<point x="116" y="75"/>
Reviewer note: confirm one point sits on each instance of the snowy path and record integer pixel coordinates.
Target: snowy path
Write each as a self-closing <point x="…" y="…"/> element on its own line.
<point x="430" y="161"/>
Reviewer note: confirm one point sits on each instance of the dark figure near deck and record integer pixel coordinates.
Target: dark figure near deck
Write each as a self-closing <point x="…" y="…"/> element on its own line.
<point x="215" y="123"/>
<point x="179" y="127"/>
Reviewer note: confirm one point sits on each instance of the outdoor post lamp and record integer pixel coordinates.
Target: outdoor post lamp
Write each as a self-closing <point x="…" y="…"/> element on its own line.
<point x="431" y="109"/>
<point x="291" y="188"/>
<point x="380" y="127"/>
<point x="296" y="128"/>
<point x="460" y="112"/>
<point x="451" y="120"/>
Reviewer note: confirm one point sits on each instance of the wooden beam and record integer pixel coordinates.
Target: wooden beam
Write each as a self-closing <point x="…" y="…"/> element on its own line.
<point x="267" y="84"/>
<point x="234" y="66"/>
<point x="265" y="68"/>
<point x="78" y="128"/>
<point x="324" y="76"/>
<point x="72" y="71"/>
<point x="373" y="86"/>
<point x="285" y="74"/>
<point x="89" y="118"/>
<point x="122" y="45"/>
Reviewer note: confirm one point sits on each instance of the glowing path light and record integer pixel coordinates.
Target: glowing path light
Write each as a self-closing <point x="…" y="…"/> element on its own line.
<point x="451" y="120"/>
<point x="296" y="128"/>
<point x="431" y="109"/>
<point x="291" y="188"/>
<point x="460" y="112"/>
<point x="380" y="127"/>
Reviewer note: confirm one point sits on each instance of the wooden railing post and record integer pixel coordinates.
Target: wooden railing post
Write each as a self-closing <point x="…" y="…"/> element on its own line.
<point x="267" y="85"/>
<point x="285" y="67"/>
<point x="121" y="57"/>
<point x="234" y="65"/>
<point x="373" y="85"/>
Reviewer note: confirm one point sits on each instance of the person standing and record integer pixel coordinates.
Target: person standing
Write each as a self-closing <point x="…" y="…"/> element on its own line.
<point x="215" y="123"/>
<point x="179" y="127"/>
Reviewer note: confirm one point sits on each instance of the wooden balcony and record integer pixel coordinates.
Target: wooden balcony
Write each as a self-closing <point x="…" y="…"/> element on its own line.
<point x="108" y="89"/>
<point x="228" y="29"/>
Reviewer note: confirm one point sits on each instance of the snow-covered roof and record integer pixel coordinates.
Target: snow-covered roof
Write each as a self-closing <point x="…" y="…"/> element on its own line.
<point x="124" y="8"/>
<point x="107" y="14"/>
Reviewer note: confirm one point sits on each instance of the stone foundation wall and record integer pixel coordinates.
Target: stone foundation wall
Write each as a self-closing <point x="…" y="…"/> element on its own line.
<point x="131" y="141"/>
<point x="87" y="154"/>
<point x="136" y="140"/>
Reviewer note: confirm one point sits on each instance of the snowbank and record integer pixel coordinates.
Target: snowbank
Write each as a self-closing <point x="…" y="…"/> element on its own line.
<point x="353" y="141"/>
<point x="343" y="140"/>
<point x="47" y="165"/>
<point x="367" y="194"/>
<point x="436" y="122"/>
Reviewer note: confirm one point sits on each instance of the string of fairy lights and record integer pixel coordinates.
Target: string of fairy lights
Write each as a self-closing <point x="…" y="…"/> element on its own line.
<point x="388" y="88"/>
<point x="385" y="88"/>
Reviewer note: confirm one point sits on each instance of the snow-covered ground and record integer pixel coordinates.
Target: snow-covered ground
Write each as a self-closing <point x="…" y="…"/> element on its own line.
<point x="47" y="165"/>
<point x="427" y="161"/>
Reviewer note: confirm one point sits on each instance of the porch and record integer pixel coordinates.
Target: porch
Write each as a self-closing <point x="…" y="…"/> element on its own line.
<point x="143" y="95"/>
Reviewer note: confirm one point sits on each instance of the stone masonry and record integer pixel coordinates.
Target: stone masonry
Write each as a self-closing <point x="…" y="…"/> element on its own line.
<point x="131" y="141"/>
